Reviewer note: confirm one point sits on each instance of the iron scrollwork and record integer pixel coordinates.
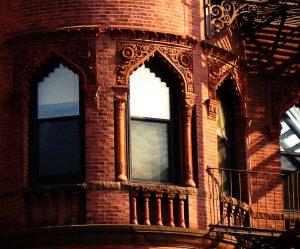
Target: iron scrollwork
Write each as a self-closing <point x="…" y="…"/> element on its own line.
<point x="220" y="16"/>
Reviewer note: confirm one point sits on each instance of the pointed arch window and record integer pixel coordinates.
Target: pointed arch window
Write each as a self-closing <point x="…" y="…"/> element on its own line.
<point x="56" y="127"/>
<point x="227" y="140"/>
<point x="152" y="127"/>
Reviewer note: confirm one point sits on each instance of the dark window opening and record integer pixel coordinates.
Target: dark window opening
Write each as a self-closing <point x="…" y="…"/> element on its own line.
<point x="56" y="137"/>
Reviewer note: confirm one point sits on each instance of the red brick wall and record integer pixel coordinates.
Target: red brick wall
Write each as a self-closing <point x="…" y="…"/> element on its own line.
<point x="107" y="207"/>
<point x="111" y="206"/>
<point x="33" y="15"/>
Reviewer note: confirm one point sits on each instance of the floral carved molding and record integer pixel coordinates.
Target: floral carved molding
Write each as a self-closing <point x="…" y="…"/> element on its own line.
<point x="222" y="64"/>
<point x="131" y="55"/>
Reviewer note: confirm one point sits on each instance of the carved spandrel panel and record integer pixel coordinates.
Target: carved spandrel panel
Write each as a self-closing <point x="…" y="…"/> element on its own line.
<point x="76" y="48"/>
<point x="218" y="71"/>
<point x="222" y="64"/>
<point x="129" y="55"/>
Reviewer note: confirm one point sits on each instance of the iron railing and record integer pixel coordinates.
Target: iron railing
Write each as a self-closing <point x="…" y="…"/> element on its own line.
<point x="253" y="199"/>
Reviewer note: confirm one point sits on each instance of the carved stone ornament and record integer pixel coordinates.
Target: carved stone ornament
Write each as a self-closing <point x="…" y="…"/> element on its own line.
<point x="130" y="55"/>
<point x="120" y="94"/>
<point x="221" y="64"/>
<point x="218" y="71"/>
<point x="125" y="33"/>
<point x="74" y="48"/>
<point x="212" y="107"/>
<point x="190" y="102"/>
<point x="280" y="100"/>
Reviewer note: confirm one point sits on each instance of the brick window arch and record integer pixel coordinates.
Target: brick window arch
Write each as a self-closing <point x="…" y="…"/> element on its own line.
<point x="56" y="125"/>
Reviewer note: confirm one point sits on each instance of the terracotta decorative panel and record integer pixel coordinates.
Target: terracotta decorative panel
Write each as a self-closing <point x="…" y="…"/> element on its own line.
<point x="221" y="65"/>
<point x="76" y="48"/>
<point x="131" y="55"/>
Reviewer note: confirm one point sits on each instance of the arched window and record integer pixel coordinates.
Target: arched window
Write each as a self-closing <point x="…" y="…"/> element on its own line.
<point x="231" y="143"/>
<point x="56" y="127"/>
<point x="152" y="127"/>
<point x="225" y="136"/>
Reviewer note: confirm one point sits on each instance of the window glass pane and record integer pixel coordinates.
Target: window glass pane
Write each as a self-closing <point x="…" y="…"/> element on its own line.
<point x="58" y="94"/>
<point x="149" y="96"/>
<point x="59" y="147"/>
<point x="149" y="153"/>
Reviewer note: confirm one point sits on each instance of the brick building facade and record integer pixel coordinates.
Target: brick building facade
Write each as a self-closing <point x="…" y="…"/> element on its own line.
<point x="80" y="167"/>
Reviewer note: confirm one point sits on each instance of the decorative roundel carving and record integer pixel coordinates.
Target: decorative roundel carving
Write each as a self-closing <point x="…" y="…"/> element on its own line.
<point x="185" y="60"/>
<point x="214" y="69"/>
<point x="127" y="53"/>
<point x="84" y="53"/>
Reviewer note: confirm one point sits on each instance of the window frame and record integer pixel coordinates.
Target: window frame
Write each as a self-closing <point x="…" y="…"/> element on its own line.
<point x="174" y="135"/>
<point x="33" y="141"/>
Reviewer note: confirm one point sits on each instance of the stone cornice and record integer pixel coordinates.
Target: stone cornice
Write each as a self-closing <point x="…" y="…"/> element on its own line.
<point x="110" y="185"/>
<point x="137" y="34"/>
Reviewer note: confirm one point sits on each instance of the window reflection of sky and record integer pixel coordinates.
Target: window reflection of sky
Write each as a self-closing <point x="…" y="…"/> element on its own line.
<point x="58" y="94"/>
<point x="149" y="96"/>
